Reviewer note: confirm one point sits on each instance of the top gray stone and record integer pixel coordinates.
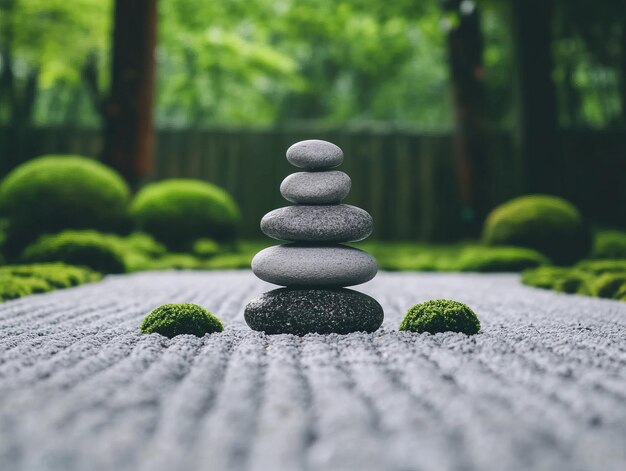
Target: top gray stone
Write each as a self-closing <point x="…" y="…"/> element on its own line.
<point x="314" y="154"/>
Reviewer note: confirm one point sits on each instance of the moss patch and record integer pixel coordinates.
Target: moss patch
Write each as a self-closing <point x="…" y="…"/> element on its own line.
<point x="205" y="248"/>
<point x="498" y="259"/>
<point x="85" y="248"/>
<point x="608" y="285"/>
<point x="21" y="280"/>
<point x="171" y="320"/>
<point x="441" y="315"/>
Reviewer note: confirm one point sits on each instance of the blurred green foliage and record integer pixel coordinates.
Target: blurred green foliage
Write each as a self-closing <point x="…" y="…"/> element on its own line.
<point x="326" y="62"/>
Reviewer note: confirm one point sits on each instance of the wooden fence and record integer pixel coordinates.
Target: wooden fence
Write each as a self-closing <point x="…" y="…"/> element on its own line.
<point x="407" y="181"/>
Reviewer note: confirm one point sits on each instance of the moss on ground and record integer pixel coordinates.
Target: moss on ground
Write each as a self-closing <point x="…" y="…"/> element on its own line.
<point x="548" y="224"/>
<point x="608" y="285"/>
<point x="561" y="279"/>
<point x="84" y="248"/>
<point x="21" y="280"/>
<point x="603" y="279"/>
<point x="441" y="315"/>
<point x="205" y="248"/>
<point x="499" y="259"/>
<point x="171" y="320"/>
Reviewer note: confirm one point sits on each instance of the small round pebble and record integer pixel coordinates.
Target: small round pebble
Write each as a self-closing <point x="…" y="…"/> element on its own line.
<point x="314" y="154"/>
<point x="171" y="320"/>
<point x="307" y="311"/>
<point x="329" y="187"/>
<point x="295" y="265"/>
<point x="335" y="223"/>
<point x="441" y="315"/>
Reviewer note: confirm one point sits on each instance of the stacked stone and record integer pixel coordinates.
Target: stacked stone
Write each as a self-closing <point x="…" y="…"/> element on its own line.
<point x="314" y="267"/>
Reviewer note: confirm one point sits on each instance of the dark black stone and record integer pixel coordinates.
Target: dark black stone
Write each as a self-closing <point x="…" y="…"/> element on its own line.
<point x="306" y="311"/>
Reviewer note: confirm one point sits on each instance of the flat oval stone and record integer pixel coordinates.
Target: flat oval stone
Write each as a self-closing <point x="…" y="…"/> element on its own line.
<point x="314" y="154"/>
<point x="297" y="265"/>
<point x="336" y="223"/>
<point x="329" y="187"/>
<point x="308" y="311"/>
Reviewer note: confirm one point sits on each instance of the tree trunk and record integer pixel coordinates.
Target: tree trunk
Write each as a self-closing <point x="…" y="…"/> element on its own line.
<point x="623" y="72"/>
<point x="536" y="132"/>
<point x="129" y="131"/>
<point x="465" y="55"/>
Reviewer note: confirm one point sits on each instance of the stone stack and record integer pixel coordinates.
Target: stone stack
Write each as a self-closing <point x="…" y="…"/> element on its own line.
<point x="314" y="267"/>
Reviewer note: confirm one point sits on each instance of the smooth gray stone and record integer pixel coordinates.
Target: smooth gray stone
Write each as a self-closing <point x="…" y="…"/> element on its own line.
<point x="313" y="311"/>
<point x="329" y="187"/>
<point x="314" y="154"/>
<point x="296" y="265"/>
<point x="337" y="223"/>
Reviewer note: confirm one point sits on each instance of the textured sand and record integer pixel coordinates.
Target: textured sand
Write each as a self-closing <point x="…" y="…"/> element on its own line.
<point x="542" y="387"/>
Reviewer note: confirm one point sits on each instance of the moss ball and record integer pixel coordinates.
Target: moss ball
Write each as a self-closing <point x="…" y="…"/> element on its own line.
<point x="544" y="223"/>
<point x="499" y="259"/>
<point x="171" y="320"/>
<point x="178" y="212"/>
<point x="84" y="248"/>
<point x="57" y="192"/>
<point x="441" y="315"/>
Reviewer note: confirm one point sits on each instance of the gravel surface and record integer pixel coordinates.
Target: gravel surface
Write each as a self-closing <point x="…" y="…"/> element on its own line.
<point x="542" y="387"/>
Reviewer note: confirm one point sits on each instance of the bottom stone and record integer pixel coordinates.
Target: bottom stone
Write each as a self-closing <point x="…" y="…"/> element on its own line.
<point x="307" y="311"/>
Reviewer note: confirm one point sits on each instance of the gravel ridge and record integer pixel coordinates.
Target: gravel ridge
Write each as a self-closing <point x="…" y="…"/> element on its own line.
<point x="543" y="386"/>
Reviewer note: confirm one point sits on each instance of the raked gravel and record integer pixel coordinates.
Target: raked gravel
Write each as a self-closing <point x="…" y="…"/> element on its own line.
<point x="543" y="386"/>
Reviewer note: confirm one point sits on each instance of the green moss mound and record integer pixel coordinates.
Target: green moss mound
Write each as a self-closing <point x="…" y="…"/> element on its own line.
<point x="57" y="192"/>
<point x="441" y="315"/>
<point x="609" y="245"/>
<point x="85" y="248"/>
<point x="499" y="259"/>
<point x="178" y="212"/>
<point x="171" y="320"/>
<point x="544" y="223"/>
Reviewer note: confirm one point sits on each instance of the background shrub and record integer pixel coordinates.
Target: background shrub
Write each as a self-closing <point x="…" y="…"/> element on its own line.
<point x="609" y="245"/>
<point x="548" y="224"/>
<point x="58" y="192"/>
<point x="178" y="212"/>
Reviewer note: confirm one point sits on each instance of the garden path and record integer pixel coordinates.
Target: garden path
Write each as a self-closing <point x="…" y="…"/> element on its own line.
<point x="543" y="386"/>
